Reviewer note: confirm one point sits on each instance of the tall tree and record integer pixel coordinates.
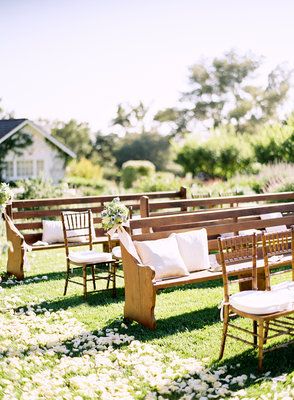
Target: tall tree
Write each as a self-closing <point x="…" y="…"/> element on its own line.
<point x="76" y="136"/>
<point x="225" y="92"/>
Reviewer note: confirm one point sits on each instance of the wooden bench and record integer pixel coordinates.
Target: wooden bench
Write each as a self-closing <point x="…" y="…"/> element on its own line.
<point x="24" y="220"/>
<point x="140" y="285"/>
<point x="151" y="208"/>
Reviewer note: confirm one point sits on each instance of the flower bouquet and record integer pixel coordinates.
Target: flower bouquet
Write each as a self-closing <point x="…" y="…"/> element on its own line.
<point x="5" y="194"/>
<point x="114" y="214"/>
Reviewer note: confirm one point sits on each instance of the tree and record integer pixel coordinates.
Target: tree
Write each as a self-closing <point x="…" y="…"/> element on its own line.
<point x="223" y="92"/>
<point x="141" y="139"/>
<point x="103" y="149"/>
<point x="75" y="135"/>
<point x="145" y="146"/>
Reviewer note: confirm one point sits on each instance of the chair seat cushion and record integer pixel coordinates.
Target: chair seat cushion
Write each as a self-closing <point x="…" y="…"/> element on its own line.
<point x="89" y="256"/>
<point x="116" y="252"/>
<point x="289" y="285"/>
<point x="263" y="302"/>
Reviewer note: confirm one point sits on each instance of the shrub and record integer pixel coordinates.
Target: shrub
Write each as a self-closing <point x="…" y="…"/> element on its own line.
<point x="271" y="176"/>
<point x="133" y="169"/>
<point x="160" y="181"/>
<point x="84" y="169"/>
<point x="222" y="156"/>
<point x="38" y="188"/>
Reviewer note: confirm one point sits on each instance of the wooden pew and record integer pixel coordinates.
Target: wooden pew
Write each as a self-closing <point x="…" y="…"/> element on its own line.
<point x="24" y="220"/>
<point x="140" y="285"/>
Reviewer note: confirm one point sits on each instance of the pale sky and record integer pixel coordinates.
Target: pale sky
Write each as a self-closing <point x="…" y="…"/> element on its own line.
<point x="62" y="59"/>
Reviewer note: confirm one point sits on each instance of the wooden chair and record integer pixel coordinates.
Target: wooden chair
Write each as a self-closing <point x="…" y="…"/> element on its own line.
<point x="268" y="310"/>
<point x="78" y="228"/>
<point x="278" y="252"/>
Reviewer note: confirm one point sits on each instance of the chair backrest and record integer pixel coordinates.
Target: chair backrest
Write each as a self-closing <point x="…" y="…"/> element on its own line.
<point x="275" y="246"/>
<point x="238" y="250"/>
<point x="78" y="228"/>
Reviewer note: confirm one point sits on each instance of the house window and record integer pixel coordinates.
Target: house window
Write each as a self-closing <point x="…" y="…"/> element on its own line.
<point x="24" y="169"/>
<point x="40" y="167"/>
<point x="8" y="170"/>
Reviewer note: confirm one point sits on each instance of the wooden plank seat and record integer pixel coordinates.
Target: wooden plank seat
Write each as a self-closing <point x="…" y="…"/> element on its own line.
<point x="140" y="284"/>
<point x="24" y="220"/>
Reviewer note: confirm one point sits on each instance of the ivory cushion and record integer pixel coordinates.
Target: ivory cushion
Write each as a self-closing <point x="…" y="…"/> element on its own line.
<point x="116" y="252"/>
<point x="263" y="302"/>
<point x="272" y="229"/>
<point x="193" y="247"/>
<point x="52" y="232"/>
<point x="163" y="255"/>
<point x="89" y="256"/>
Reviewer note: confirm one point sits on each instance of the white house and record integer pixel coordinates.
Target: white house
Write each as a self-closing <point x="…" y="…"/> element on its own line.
<point x="44" y="157"/>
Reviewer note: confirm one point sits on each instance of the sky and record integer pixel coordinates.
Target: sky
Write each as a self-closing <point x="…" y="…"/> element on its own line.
<point x="62" y="59"/>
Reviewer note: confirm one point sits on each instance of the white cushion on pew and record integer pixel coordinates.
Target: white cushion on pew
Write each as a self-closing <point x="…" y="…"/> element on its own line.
<point x="193" y="246"/>
<point x="272" y="229"/>
<point x="163" y="255"/>
<point x="262" y="302"/>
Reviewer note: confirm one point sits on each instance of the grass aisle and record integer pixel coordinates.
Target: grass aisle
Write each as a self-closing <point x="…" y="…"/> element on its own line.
<point x="55" y="347"/>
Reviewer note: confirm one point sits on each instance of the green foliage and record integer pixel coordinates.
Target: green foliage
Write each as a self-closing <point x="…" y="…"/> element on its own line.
<point x="133" y="169"/>
<point x="274" y="143"/>
<point x="223" y="92"/>
<point x="88" y="187"/>
<point x="146" y="146"/>
<point x="5" y="194"/>
<point x="38" y="188"/>
<point x="76" y="136"/>
<point x="160" y="181"/>
<point x="223" y="155"/>
<point x="84" y="168"/>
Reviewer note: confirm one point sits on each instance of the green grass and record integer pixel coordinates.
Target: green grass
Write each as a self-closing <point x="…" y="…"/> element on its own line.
<point x="188" y="320"/>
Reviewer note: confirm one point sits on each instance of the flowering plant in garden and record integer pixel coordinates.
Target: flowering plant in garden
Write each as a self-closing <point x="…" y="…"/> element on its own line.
<point x="114" y="213"/>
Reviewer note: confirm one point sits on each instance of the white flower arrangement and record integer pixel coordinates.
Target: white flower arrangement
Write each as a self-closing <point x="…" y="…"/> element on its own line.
<point x="5" y="194"/>
<point x="115" y="213"/>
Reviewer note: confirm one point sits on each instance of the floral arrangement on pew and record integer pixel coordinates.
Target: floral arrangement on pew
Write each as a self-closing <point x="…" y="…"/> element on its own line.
<point x="114" y="216"/>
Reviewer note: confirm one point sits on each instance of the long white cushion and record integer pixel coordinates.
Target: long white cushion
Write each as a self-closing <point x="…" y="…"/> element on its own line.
<point x="163" y="255"/>
<point x="89" y="256"/>
<point x="263" y="302"/>
<point x="193" y="247"/>
<point x="289" y="285"/>
<point x="272" y="229"/>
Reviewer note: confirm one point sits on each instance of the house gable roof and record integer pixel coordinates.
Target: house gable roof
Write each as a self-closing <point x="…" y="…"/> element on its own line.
<point x="9" y="126"/>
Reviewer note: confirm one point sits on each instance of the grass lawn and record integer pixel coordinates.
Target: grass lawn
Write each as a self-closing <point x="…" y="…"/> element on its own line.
<point x="56" y="347"/>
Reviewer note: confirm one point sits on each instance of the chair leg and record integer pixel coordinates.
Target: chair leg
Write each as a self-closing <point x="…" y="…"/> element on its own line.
<point x="255" y="333"/>
<point x="225" y="330"/>
<point x="114" y="266"/>
<point x="260" y="344"/>
<point x="66" y="279"/>
<point x="85" y="280"/>
<point x="109" y="275"/>
<point x="266" y="331"/>
<point x="93" y="276"/>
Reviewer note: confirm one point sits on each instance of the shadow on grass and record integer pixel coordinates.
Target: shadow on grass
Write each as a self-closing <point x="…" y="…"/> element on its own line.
<point x="102" y="297"/>
<point x="186" y="322"/>
<point x="278" y="361"/>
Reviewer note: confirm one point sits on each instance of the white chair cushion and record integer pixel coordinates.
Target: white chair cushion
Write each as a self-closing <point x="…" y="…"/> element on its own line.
<point x="272" y="229"/>
<point x="193" y="247"/>
<point x="89" y="256"/>
<point x="289" y="285"/>
<point x="262" y="302"/>
<point x="52" y="232"/>
<point x="164" y="256"/>
<point x="116" y="252"/>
